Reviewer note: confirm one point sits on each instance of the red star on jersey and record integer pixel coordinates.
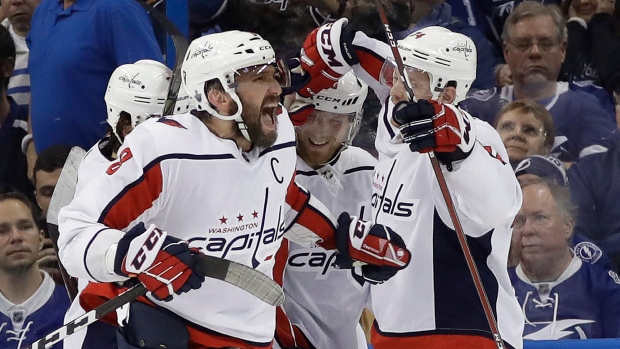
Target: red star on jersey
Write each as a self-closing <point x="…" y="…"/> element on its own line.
<point x="255" y="214"/>
<point x="223" y="220"/>
<point x="240" y="218"/>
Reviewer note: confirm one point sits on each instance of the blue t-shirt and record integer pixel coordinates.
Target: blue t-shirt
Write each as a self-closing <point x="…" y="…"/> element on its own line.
<point x="582" y="126"/>
<point x="40" y="315"/>
<point x="73" y="53"/>
<point x="583" y="303"/>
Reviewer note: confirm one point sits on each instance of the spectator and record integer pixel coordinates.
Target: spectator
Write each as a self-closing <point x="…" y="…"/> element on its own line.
<point x="13" y="125"/>
<point x="578" y="67"/>
<point x="534" y="48"/>
<point x="604" y="38"/>
<point x="561" y="296"/>
<point x="595" y="188"/>
<point x="323" y="302"/>
<point x="46" y="172"/>
<point x="526" y="129"/>
<point x="31" y="304"/>
<point x="47" y="169"/>
<point x="538" y="168"/>
<point x="19" y="15"/>
<point x="75" y="45"/>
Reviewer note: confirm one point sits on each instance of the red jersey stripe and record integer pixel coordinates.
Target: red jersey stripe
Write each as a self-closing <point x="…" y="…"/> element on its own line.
<point x="135" y="200"/>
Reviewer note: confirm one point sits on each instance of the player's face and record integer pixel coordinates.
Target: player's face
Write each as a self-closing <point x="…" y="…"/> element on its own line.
<point x="259" y="93"/>
<point x="420" y="84"/>
<point x="523" y="135"/>
<point x="533" y="50"/>
<point x="543" y="229"/>
<point x="321" y="136"/>
<point x="20" y="240"/>
<point x="44" y="188"/>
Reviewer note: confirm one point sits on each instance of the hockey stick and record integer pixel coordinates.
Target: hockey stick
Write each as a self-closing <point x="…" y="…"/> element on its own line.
<point x="242" y="276"/>
<point x="444" y="190"/>
<point x="62" y="196"/>
<point x="180" y="48"/>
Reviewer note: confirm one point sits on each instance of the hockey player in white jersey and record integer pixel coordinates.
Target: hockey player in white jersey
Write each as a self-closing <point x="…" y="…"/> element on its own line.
<point x="218" y="181"/>
<point x="323" y="302"/>
<point x="433" y="302"/>
<point x="134" y="93"/>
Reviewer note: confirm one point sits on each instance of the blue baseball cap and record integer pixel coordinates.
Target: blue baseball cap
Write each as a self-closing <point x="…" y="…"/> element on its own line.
<point x="546" y="167"/>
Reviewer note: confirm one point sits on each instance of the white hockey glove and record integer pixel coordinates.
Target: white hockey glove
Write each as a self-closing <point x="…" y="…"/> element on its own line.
<point x="379" y="247"/>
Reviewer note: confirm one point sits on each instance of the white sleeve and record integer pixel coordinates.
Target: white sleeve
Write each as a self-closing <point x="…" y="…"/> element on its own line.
<point x="107" y="205"/>
<point x="483" y="186"/>
<point x="372" y="53"/>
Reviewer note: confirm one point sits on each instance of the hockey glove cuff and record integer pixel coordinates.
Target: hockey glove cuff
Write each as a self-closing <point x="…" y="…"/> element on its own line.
<point x="164" y="264"/>
<point x="373" y="274"/>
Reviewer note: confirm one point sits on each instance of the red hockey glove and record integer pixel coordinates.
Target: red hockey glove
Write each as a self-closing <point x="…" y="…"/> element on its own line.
<point x="327" y="54"/>
<point x="432" y="126"/>
<point x="164" y="264"/>
<point x="376" y="245"/>
<point x="300" y="110"/>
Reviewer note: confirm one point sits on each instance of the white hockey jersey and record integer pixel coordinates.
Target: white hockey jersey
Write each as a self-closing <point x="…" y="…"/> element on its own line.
<point x="433" y="301"/>
<point x="174" y="173"/>
<point x="324" y="302"/>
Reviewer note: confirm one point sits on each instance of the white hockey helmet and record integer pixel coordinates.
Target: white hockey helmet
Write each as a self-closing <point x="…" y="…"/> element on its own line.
<point x="222" y="56"/>
<point x="139" y="89"/>
<point x="347" y="97"/>
<point x="446" y="56"/>
<point x="183" y="103"/>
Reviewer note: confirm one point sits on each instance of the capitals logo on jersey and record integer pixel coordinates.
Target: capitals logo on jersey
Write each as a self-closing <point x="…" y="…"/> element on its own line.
<point x="401" y="209"/>
<point x="314" y="260"/>
<point x="241" y="232"/>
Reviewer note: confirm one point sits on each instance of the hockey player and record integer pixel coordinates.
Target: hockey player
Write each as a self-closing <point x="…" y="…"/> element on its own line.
<point x="323" y="302"/>
<point x="419" y="308"/>
<point x="221" y="178"/>
<point x="134" y="93"/>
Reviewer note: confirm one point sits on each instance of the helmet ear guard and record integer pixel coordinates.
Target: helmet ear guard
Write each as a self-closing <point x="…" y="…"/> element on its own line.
<point x="139" y="89"/>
